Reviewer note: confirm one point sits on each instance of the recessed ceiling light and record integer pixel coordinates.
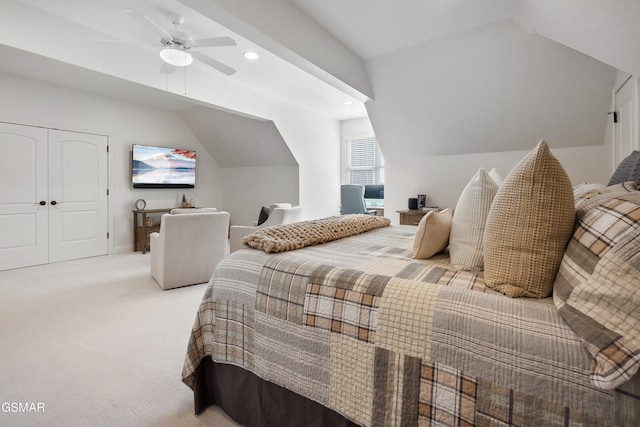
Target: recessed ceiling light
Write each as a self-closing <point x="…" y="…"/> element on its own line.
<point x="251" y="55"/>
<point x="348" y="102"/>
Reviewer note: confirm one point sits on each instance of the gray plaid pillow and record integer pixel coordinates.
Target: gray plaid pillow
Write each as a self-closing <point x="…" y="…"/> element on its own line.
<point x="628" y="169"/>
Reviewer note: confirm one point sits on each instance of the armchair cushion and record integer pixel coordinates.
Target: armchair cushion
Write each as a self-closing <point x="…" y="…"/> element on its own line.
<point x="272" y="206"/>
<point x="279" y="215"/>
<point x="177" y="211"/>
<point x="188" y="248"/>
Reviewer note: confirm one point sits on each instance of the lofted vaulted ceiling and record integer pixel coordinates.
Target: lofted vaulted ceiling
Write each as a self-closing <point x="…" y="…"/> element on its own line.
<point x="374" y="27"/>
<point x="315" y="55"/>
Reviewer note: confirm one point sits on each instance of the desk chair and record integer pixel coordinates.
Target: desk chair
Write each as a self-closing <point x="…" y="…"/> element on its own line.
<point x="352" y="200"/>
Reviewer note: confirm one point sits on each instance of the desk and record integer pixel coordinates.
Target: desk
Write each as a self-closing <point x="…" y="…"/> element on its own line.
<point x="143" y="225"/>
<point x="413" y="216"/>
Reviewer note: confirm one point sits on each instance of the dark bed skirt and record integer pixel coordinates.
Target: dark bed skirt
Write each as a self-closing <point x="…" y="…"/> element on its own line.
<point x="254" y="402"/>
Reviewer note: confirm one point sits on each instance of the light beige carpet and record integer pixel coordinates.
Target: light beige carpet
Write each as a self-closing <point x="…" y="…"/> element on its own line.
<point x="96" y="342"/>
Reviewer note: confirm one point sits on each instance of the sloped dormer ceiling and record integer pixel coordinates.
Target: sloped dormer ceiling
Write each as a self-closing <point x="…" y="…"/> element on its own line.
<point x="238" y="141"/>
<point x="490" y="89"/>
<point x="606" y="30"/>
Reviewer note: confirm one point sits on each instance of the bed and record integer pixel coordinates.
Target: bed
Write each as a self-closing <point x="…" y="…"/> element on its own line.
<point x="356" y="332"/>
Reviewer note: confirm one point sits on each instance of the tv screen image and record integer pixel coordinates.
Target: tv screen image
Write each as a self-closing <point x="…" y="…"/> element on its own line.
<point x="160" y="167"/>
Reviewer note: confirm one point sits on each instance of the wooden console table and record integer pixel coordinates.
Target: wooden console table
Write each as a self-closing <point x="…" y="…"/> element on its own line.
<point x="413" y="216"/>
<point x="142" y="229"/>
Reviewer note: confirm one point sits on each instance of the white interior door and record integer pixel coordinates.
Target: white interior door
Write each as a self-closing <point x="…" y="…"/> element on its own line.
<point x="23" y="186"/>
<point x="77" y="195"/>
<point x="626" y="137"/>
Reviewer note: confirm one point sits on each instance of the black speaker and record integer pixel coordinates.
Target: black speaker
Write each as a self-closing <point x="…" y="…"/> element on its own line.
<point x="413" y="203"/>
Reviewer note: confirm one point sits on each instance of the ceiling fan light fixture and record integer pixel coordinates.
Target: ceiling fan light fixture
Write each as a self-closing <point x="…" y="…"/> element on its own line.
<point x="176" y="57"/>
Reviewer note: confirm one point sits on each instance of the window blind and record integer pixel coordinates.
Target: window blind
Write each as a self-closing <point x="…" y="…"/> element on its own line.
<point x="366" y="165"/>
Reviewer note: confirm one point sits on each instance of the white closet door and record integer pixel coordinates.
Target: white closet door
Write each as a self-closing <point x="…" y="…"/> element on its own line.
<point x="77" y="195"/>
<point x="23" y="185"/>
<point x="626" y="138"/>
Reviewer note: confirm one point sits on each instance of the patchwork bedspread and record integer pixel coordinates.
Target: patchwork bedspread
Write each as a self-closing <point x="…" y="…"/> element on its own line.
<point x="385" y="340"/>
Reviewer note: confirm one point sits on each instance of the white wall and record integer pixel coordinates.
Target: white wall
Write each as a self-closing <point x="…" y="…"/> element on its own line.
<point x="442" y="178"/>
<point x="313" y="139"/>
<point x="245" y="190"/>
<point x="315" y="143"/>
<point x="31" y="102"/>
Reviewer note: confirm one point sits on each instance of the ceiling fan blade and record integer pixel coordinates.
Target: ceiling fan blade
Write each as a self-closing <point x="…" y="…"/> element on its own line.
<point x="116" y="41"/>
<point x="167" y="68"/>
<point x="214" y="64"/>
<point x="149" y="23"/>
<point x="214" y="42"/>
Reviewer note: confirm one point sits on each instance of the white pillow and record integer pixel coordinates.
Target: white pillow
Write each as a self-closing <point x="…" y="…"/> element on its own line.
<point x="493" y="173"/>
<point x="467" y="227"/>
<point x="432" y="235"/>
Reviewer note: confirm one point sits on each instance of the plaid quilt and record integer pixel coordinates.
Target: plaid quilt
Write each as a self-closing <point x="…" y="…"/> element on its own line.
<point x="386" y="340"/>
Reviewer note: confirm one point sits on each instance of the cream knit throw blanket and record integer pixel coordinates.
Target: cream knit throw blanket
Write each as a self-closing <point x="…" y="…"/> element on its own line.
<point x="287" y="237"/>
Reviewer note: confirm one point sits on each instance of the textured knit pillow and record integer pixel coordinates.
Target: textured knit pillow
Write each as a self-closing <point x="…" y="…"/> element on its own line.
<point x="597" y="290"/>
<point x="467" y="227"/>
<point x="528" y="226"/>
<point x="432" y="235"/>
<point x="628" y="169"/>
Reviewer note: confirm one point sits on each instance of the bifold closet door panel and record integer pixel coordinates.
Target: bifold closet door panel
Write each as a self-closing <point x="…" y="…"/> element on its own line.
<point x="78" y="195"/>
<point x="24" y="202"/>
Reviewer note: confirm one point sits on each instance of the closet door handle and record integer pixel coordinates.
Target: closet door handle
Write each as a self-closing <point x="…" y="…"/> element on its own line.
<point x="53" y="203"/>
<point x="42" y="203"/>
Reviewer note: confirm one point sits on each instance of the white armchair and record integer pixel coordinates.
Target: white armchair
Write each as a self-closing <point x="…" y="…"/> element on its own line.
<point x="188" y="247"/>
<point x="177" y="211"/>
<point x="279" y="215"/>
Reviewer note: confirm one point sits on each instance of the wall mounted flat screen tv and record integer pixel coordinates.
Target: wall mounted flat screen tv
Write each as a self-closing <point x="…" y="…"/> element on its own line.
<point x="160" y="167"/>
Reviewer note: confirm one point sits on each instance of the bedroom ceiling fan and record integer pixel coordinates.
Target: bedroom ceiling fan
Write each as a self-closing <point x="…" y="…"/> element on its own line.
<point x="177" y="46"/>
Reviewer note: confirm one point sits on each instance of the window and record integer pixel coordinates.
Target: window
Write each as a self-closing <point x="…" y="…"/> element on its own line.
<point x="365" y="164"/>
